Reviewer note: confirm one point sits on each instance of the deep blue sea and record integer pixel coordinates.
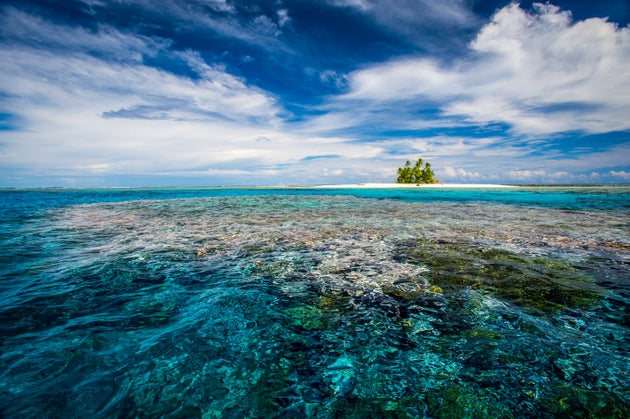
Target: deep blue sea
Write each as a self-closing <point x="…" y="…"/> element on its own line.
<point x="322" y="303"/>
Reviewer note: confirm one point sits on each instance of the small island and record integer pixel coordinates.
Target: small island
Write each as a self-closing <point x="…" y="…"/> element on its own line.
<point x="421" y="172"/>
<point x="420" y="175"/>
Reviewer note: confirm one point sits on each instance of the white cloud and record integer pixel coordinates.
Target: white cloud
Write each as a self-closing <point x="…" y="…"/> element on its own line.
<point x="256" y="29"/>
<point x="87" y="104"/>
<point x="219" y="5"/>
<point x="443" y="147"/>
<point x="19" y="28"/>
<point x="283" y="17"/>
<point x="402" y="79"/>
<point x="414" y="19"/>
<point x="536" y="176"/>
<point x="621" y="175"/>
<point x="526" y="174"/>
<point x="544" y="176"/>
<point x="67" y="69"/>
<point x="332" y="172"/>
<point x="81" y="116"/>
<point x="333" y="78"/>
<point x="614" y="156"/>
<point x="540" y="73"/>
<point x="460" y="174"/>
<point x="130" y="91"/>
<point x="359" y="4"/>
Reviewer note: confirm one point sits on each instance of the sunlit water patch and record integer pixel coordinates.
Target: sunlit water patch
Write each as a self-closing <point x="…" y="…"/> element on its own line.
<point x="315" y="306"/>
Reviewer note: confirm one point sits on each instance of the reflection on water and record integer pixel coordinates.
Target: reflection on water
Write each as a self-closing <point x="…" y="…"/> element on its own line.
<point x="315" y="306"/>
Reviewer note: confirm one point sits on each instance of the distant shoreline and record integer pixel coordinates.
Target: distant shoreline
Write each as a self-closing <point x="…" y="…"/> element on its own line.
<point x="410" y="185"/>
<point x="362" y="185"/>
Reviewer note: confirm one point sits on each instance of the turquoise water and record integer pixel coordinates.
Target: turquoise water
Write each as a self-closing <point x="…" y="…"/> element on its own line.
<point x="315" y="303"/>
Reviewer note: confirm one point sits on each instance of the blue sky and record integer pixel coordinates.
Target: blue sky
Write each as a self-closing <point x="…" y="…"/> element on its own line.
<point x="218" y="92"/>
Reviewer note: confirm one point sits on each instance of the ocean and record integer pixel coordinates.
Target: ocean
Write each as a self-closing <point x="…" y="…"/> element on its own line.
<point x="307" y="302"/>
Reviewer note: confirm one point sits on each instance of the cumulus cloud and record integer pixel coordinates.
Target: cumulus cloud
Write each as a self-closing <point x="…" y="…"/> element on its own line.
<point x="332" y="172"/>
<point x="459" y="174"/>
<point x="532" y="174"/>
<point x="622" y="175"/>
<point x="535" y="176"/>
<point x="544" y="176"/>
<point x="538" y="72"/>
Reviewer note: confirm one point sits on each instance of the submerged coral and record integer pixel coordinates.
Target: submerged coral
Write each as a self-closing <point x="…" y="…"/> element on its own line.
<point x="533" y="282"/>
<point x="317" y="307"/>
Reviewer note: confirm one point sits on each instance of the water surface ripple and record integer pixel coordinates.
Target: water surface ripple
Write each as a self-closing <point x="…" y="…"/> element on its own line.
<point x="314" y="305"/>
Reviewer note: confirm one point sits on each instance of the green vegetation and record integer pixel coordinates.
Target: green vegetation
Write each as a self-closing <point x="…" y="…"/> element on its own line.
<point x="536" y="283"/>
<point x="421" y="172"/>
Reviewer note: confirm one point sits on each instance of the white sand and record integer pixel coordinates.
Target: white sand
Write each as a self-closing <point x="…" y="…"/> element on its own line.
<point x="412" y="185"/>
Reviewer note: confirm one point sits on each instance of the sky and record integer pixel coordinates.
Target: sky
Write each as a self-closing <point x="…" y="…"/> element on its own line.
<point x="97" y="93"/>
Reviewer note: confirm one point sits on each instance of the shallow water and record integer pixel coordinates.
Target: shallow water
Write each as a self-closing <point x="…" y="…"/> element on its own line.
<point x="304" y="303"/>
